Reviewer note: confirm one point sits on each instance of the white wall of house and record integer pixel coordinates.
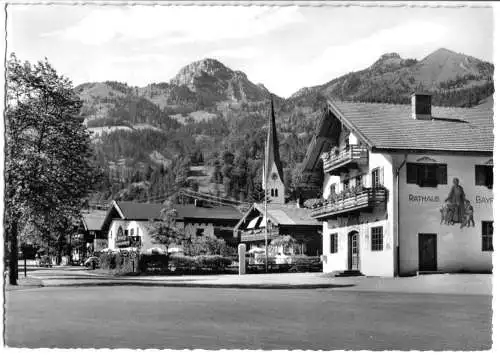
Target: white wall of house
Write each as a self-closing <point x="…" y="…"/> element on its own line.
<point x="457" y="249"/>
<point x="380" y="263"/>
<point x="135" y="228"/>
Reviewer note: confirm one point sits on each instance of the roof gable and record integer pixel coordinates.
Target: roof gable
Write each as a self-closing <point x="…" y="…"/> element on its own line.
<point x="391" y="127"/>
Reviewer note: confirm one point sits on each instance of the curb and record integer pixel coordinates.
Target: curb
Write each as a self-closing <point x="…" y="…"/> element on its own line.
<point x="202" y="285"/>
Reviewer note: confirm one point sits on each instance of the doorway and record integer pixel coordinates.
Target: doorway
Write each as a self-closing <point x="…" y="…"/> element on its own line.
<point x="353" y="251"/>
<point x="427" y="252"/>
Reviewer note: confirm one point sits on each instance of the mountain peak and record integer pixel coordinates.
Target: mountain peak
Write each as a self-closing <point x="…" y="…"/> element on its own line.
<point x="443" y="50"/>
<point x="387" y="61"/>
<point x="392" y="55"/>
<point x="206" y="66"/>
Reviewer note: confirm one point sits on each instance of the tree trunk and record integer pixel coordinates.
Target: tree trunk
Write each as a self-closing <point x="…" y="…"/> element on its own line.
<point x="59" y="251"/>
<point x="13" y="253"/>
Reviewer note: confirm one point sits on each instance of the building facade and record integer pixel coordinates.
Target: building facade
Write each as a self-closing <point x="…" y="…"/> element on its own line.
<point x="407" y="188"/>
<point x="127" y="224"/>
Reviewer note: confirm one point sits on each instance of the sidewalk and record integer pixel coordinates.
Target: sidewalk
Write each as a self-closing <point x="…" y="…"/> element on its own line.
<point x="23" y="283"/>
<point x="469" y="284"/>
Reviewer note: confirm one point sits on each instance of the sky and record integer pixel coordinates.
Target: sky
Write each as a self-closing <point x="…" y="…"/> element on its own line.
<point x="285" y="48"/>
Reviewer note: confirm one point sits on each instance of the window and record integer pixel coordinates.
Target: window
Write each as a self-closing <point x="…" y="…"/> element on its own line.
<point x="484" y="175"/>
<point x="487" y="235"/>
<point x="332" y="189"/>
<point x="334" y="243"/>
<point x="272" y="192"/>
<point x="345" y="184"/>
<point x="426" y="175"/>
<point x="276" y="192"/>
<point x="132" y="231"/>
<point x="377" y="177"/>
<point x="358" y="181"/>
<point x="377" y="239"/>
<point x="199" y="232"/>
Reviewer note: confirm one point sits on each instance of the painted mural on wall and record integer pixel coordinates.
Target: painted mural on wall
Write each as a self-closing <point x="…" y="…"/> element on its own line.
<point x="457" y="209"/>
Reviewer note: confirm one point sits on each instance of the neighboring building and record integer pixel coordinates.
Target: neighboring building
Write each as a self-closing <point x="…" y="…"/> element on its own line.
<point x="283" y="219"/>
<point x="92" y="225"/>
<point x="407" y="188"/>
<point x="127" y="223"/>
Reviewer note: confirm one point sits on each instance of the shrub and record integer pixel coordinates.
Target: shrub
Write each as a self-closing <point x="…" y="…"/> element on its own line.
<point x="122" y="262"/>
<point x="306" y="263"/>
<point x="183" y="262"/>
<point x="212" y="262"/>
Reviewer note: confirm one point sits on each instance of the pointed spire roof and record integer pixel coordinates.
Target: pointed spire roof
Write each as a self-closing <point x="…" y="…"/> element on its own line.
<point x="272" y="146"/>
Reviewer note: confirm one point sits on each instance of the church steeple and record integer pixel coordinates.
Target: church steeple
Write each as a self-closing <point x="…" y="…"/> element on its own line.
<point x="274" y="173"/>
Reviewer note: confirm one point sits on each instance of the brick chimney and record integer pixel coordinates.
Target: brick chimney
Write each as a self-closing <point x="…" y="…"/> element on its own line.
<point x="421" y="104"/>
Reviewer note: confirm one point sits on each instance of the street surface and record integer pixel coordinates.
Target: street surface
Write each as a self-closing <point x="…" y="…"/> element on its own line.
<point x="227" y="318"/>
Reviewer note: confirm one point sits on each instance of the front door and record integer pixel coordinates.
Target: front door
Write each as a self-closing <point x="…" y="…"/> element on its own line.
<point x="427" y="252"/>
<point x="353" y="259"/>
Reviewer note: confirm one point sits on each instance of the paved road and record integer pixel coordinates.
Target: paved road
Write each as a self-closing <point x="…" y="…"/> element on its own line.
<point x="178" y="318"/>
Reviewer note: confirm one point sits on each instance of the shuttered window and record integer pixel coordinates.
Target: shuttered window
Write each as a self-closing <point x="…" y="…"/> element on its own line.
<point x="484" y="175"/>
<point x="426" y="175"/>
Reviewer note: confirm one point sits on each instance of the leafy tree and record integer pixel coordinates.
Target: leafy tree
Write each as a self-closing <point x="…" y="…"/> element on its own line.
<point x="48" y="165"/>
<point x="165" y="231"/>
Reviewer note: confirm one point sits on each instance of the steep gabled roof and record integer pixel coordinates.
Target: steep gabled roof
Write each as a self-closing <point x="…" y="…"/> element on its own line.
<point x="273" y="147"/>
<point x="138" y="211"/>
<point x="391" y="127"/>
<point x="93" y="221"/>
<point x="282" y="215"/>
<point x="146" y="211"/>
<point x="217" y="212"/>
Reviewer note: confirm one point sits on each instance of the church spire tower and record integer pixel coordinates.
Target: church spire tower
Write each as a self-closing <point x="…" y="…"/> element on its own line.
<point x="274" y="174"/>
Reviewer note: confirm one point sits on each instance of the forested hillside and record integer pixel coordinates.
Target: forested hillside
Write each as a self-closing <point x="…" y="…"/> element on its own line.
<point x="208" y="116"/>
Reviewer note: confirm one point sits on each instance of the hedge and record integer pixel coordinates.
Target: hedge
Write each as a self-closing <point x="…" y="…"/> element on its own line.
<point x="183" y="263"/>
<point x="122" y="262"/>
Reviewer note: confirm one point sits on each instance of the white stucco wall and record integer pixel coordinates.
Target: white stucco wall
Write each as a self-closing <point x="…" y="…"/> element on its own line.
<point x="380" y="263"/>
<point x="457" y="249"/>
<point x="139" y="228"/>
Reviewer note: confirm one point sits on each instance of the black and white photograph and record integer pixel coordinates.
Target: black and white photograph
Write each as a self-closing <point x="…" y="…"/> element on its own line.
<point x="248" y="175"/>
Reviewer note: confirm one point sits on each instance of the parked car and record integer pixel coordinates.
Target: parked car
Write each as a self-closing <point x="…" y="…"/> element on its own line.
<point x="92" y="262"/>
<point x="45" y="261"/>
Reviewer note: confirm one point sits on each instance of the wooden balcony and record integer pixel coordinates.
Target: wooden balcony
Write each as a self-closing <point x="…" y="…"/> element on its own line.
<point x="126" y="241"/>
<point x="252" y="235"/>
<point x="355" y="201"/>
<point x="335" y="161"/>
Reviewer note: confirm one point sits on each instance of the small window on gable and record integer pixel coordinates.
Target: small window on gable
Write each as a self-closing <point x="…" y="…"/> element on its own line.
<point x="484" y="175"/>
<point x="276" y="192"/>
<point x="426" y="175"/>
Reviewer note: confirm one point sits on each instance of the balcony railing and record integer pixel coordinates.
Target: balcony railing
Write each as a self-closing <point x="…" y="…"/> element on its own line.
<point x="251" y="235"/>
<point x="350" y="201"/>
<point x="336" y="161"/>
